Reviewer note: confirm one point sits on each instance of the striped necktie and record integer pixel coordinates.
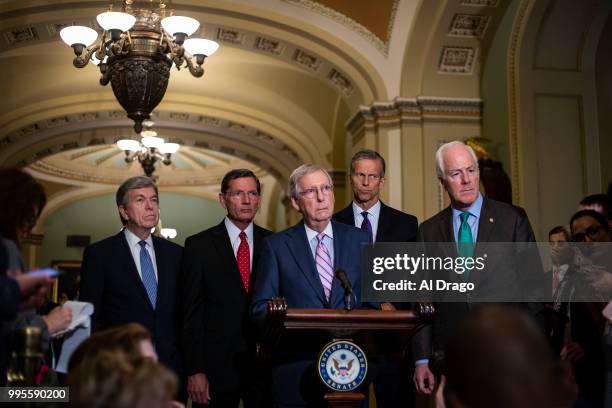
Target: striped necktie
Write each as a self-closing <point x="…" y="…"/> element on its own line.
<point x="148" y="273"/>
<point x="324" y="265"/>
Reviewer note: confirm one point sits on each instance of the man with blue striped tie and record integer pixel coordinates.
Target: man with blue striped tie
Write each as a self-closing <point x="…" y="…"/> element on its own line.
<point x="132" y="276"/>
<point x="299" y="264"/>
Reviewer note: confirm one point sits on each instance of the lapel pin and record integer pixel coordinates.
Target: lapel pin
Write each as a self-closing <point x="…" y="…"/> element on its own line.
<point x="491" y="220"/>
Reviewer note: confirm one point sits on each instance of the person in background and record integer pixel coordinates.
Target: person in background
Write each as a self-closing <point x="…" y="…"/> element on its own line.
<point x="216" y="291"/>
<point x="383" y="224"/>
<point x="114" y="379"/>
<point x="23" y="199"/>
<point x="502" y="340"/>
<point x="299" y="264"/>
<point x="471" y="218"/>
<point x="132" y="276"/>
<point x="588" y="325"/>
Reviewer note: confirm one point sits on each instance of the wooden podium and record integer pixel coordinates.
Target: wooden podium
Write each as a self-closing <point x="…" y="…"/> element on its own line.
<point x="377" y="332"/>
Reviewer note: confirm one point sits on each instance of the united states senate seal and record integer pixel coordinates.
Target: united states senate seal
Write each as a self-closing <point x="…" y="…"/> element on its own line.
<point x="342" y="365"/>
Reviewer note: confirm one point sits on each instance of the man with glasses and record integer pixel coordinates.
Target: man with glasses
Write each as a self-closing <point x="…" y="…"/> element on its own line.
<point x="217" y="282"/>
<point x="590" y="229"/>
<point x="383" y="224"/>
<point x="299" y="264"/>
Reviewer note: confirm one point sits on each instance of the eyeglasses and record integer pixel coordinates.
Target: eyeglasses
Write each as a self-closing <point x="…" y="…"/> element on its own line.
<point x="242" y="194"/>
<point x="591" y="232"/>
<point x="370" y="177"/>
<point x="312" y="192"/>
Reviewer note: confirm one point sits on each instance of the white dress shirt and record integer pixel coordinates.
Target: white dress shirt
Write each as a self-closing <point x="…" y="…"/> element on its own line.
<point x="133" y="243"/>
<point x="373" y="217"/>
<point x="234" y="235"/>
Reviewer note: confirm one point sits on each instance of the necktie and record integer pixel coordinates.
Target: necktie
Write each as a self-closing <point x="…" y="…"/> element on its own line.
<point x="324" y="265"/>
<point x="465" y="241"/>
<point x="148" y="273"/>
<point x="366" y="226"/>
<point x="243" y="257"/>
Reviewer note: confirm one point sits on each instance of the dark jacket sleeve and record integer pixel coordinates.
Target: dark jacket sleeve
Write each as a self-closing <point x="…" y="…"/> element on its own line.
<point x="92" y="284"/>
<point x="422" y="340"/>
<point x="192" y="308"/>
<point x="9" y="297"/>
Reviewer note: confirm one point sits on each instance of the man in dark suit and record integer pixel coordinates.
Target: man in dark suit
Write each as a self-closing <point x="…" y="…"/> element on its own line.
<point x="299" y="264"/>
<point x="217" y="281"/>
<point x="132" y="276"/>
<point x="383" y="224"/>
<point x="469" y="219"/>
<point x="367" y="211"/>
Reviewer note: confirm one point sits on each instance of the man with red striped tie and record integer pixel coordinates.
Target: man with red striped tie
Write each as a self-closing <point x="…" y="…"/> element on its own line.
<point x="299" y="264"/>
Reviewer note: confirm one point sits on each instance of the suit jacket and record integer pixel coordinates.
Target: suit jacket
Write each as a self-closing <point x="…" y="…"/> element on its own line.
<point x="110" y="281"/>
<point x="498" y="222"/>
<point x="216" y="323"/>
<point x="287" y="269"/>
<point x="393" y="225"/>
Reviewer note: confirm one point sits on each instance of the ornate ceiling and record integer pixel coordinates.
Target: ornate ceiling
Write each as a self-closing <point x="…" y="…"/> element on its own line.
<point x="288" y="77"/>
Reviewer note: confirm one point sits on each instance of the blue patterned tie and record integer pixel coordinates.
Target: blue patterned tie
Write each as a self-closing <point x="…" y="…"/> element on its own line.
<point x="366" y="226"/>
<point x="148" y="273"/>
<point x="465" y="241"/>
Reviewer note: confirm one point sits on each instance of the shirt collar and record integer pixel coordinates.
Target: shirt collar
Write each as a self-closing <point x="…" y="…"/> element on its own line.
<point x="373" y="212"/>
<point x="133" y="239"/>
<point x="310" y="233"/>
<point x="233" y="231"/>
<point x="474" y="209"/>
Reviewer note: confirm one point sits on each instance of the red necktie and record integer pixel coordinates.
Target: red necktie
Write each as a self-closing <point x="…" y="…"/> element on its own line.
<point x="244" y="260"/>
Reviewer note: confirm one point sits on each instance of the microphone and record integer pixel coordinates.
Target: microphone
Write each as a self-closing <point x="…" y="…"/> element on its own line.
<point x="346" y="285"/>
<point x="344" y="281"/>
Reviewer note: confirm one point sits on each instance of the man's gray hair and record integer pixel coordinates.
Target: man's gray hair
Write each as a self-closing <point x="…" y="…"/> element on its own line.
<point x="300" y="172"/>
<point x="440" y="155"/>
<point x="133" y="183"/>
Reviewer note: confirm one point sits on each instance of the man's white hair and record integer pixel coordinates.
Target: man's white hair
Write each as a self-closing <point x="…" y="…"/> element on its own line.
<point x="440" y="155"/>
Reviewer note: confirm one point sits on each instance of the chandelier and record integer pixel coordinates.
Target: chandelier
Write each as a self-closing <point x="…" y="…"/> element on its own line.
<point x="149" y="150"/>
<point x="136" y="51"/>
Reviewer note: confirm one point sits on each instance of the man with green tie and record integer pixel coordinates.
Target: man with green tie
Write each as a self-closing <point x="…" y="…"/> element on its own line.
<point x="469" y="219"/>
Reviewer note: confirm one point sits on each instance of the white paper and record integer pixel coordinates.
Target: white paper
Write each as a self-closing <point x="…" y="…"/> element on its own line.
<point x="81" y="316"/>
<point x="78" y="330"/>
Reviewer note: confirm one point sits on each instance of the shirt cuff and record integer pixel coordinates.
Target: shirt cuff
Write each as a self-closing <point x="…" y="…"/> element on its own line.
<point x="421" y="361"/>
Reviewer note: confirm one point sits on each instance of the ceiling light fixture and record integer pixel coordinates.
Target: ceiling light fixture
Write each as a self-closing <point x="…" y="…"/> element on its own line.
<point x="137" y="49"/>
<point x="149" y="150"/>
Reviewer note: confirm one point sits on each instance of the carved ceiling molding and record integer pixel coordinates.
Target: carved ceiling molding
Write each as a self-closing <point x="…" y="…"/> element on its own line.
<point x="381" y="44"/>
<point x="457" y="60"/>
<point x="406" y="110"/>
<point x="163" y="118"/>
<point x="97" y="129"/>
<point x="469" y="25"/>
<point x="310" y="62"/>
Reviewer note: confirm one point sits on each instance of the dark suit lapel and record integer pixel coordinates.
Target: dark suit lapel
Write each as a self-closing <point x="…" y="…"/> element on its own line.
<point x="225" y="251"/>
<point x="486" y="223"/>
<point x="485" y="230"/>
<point x="300" y="249"/>
<point x="163" y="270"/>
<point x="128" y="264"/>
<point x="339" y="264"/>
<point x="445" y="229"/>
<point x="257" y="244"/>
<point x="346" y="216"/>
<point x="384" y="223"/>
<point x="446" y="225"/>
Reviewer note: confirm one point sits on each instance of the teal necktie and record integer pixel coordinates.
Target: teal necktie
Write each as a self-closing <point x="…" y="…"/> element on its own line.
<point x="465" y="241"/>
